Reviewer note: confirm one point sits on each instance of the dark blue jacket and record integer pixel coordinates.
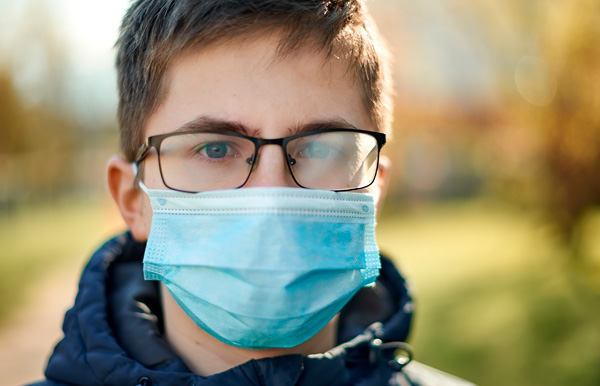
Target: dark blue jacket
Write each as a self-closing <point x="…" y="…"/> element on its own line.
<point x="113" y="336"/>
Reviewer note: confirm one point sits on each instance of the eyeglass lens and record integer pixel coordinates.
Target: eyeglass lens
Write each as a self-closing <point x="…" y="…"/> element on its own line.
<point x="201" y="161"/>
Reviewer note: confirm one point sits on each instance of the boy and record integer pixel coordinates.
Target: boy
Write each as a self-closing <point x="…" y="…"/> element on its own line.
<point x="251" y="133"/>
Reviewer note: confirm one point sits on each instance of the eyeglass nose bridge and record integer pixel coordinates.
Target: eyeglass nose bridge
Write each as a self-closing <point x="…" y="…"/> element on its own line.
<point x="260" y="142"/>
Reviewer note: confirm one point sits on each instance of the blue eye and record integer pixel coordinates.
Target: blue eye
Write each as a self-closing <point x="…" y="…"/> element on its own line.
<point x="215" y="150"/>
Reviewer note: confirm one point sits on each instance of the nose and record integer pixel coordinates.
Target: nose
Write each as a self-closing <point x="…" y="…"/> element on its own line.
<point x="270" y="168"/>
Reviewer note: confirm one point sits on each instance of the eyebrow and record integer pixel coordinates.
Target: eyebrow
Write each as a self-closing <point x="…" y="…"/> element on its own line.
<point x="331" y="123"/>
<point x="206" y="122"/>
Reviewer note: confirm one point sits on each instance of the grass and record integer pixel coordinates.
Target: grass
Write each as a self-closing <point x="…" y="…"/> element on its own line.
<point x="39" y="239"/>
<point x="498" y="300"/>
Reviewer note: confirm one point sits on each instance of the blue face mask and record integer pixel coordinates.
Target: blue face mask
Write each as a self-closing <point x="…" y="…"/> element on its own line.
<point x="262" y="267"/>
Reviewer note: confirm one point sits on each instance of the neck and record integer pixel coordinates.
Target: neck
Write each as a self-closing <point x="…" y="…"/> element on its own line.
<point x="206" y="355"/>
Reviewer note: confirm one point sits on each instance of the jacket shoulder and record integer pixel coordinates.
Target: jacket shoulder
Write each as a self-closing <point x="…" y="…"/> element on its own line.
<point x="418" y="374"/>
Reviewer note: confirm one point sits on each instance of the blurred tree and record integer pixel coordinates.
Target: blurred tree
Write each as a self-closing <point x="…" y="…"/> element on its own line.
<point x="570" y="41"/>
<point x="549" y="71"/>
<point x="11" y="117"/>
<point x="38" y="134"/>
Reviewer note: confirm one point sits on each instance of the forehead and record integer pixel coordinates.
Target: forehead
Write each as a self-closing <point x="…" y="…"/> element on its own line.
<point x="247" y="81"/>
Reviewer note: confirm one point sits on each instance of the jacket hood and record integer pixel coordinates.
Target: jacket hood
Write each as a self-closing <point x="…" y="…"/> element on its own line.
<point x="113" y="334"/>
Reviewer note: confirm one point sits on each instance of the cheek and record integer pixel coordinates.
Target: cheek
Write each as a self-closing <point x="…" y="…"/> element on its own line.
<point x="151" y="176"/>
<point x="369" y="189"/>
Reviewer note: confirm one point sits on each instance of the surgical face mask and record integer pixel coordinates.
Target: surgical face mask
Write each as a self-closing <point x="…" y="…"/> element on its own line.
<point x="262" y="267"/>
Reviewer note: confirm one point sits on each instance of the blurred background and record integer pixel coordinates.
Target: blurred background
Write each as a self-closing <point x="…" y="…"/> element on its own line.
<point x="493" y="213"/>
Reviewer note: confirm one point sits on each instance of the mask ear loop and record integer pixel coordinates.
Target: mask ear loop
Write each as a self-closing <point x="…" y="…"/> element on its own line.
<point x="140" y="183"/>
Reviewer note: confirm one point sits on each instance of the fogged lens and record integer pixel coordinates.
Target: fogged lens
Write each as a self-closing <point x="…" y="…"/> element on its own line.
<point x="337" y="160"/>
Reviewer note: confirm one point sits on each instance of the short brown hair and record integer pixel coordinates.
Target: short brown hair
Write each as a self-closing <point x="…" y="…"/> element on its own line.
<point x="154" y="32"/>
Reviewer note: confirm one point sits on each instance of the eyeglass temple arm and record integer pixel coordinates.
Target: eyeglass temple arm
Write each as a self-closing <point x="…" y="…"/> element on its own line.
<point x="142" y="152"/>
<point x="381" y="139"/>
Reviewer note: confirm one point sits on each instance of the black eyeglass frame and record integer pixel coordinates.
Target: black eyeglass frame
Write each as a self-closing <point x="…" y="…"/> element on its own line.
<point x="156" y="140"/>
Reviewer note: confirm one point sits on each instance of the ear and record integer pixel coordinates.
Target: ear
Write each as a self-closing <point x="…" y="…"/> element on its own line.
<point x="382" y="181"/>
<point x="127" y="196"/>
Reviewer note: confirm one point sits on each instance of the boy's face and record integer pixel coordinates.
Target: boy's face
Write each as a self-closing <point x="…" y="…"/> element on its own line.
<point x="247" y="84"/>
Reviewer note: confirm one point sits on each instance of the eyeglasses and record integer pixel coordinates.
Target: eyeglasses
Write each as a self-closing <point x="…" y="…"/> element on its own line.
<point x="328" y="159"/>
